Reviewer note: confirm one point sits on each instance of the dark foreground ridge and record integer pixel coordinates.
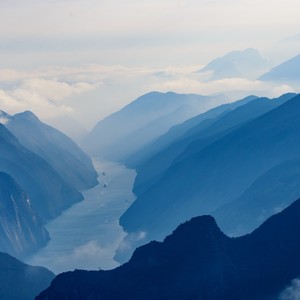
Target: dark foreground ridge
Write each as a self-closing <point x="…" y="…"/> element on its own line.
<point x="198" y="261"/>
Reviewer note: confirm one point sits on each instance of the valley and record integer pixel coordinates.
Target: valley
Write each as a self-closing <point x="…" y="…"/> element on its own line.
<point x="87" y="235"/>
<point x="149" y="150"/>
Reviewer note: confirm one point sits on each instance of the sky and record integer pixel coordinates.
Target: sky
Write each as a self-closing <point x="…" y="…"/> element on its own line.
<point x="83" y="59"/>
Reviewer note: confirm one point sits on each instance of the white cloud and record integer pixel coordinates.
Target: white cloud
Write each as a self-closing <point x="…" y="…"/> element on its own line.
<point x="88" y="93"/>
<point x="292" y="292"/>
<point x="43" y="96"/>
<point x="128" y="244"/>
<point x="191" y="85"/>
<point x="89" y="256"/>
<point x="3" y="119"/>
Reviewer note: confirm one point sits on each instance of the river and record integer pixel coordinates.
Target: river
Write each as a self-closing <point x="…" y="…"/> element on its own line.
<point x="87" y="235"/>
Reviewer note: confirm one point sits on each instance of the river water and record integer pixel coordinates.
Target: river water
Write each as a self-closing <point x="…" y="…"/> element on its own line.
<point x="87" y="235"/>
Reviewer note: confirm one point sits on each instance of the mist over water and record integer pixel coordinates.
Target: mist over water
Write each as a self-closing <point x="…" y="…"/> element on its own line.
<point x="87" y="235"/>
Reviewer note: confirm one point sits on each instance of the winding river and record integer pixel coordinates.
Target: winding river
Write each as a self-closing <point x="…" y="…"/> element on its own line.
<point x="87" y="235"/>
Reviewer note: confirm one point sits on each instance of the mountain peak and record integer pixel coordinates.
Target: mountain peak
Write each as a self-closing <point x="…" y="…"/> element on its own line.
<point x="204" y="227"/>
<point x="246" y="63"/>
<point x="27" y="115"/>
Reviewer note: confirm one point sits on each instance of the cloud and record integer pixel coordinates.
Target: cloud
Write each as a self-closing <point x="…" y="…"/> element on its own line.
<point x="45" y="97"/>
<point x="3" y="118"/>
<point x="128" y="244"/>
<point x="89" y="256"/>
<point x="292" y="292"/>
<point x="90" y="92"/>
<point x="191" y="85"/>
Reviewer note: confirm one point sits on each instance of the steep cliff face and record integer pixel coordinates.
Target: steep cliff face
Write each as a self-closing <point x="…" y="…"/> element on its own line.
<point x="73" y="165"/>
<point x="21" y="229"/>
<point x="197" y="262"/>
<point x="19" y="281"/>
<point x="48" y="192"/>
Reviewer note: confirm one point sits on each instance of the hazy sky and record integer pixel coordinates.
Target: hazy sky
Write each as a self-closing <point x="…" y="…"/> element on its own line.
<point x="64" y="57"/>
<point x="139" y="32"/>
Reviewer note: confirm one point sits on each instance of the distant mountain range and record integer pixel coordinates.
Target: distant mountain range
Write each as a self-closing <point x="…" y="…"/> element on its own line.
<point x="247" y="63"/>
<point x="19" y="281"/>
<point x="197" y="261"/>
<point x="123" y="133"/>
<point x="208" y="130"/>
<point x="176" y="132"/>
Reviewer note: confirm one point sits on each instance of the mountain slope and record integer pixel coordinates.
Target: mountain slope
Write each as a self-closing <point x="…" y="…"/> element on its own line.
<point x="73" y="165"/>
<point x="269" y="194"/>
<point x="198" y="261"/>
<point x="201" y="135"/>
<point x="204" y="181"/>
<point x="247" y="63"/>
<point x="19" y="281"/>
<point x="21" y="230"/>
<point x="177" y="131"/>
<point x="48" y="192"/>
<point x="285" y="72"/>
<point x="108" y="136"/>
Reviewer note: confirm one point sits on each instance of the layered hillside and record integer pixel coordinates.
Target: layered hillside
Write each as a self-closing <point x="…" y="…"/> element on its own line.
<point x="177" y="132"/>
<point x="123" y="133"/>
<point x="206" y="179"/>
<point x="201" y="135"/>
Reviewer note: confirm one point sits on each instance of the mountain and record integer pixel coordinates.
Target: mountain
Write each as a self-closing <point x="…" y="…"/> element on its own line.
<point x="197" y="261"/>
<point x="19" y="281"/>
<point x="123" y="133"/>
<point x="205" y="180"/>
<point x="21" y="229"/>
<point x="69" y="161"/>
<point x="270" y="193"/>
<point x="286" y="72"/>
<point x="177" y="131"/>
<point x="48" y="192"/>
<point x="247" y="63"/>
<point x="200" y="135"/>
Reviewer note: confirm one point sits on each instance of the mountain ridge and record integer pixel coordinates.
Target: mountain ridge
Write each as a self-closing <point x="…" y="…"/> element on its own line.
<point x="197" y="261"/>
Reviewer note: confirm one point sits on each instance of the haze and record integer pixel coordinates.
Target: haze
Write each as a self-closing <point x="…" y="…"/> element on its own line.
<point x="81" y="60"/>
